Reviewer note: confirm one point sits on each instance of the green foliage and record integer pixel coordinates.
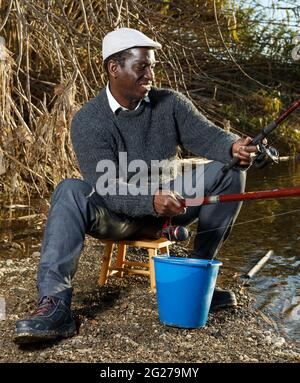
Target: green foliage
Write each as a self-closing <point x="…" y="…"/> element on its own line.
<point x="262" y="45"/>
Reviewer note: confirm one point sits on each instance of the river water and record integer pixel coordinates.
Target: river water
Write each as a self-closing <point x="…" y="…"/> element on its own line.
<point x="270" y="225"/>
<point x="260" y="227"/>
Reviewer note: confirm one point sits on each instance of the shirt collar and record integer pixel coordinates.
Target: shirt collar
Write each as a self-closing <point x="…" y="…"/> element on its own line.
<point x="114" y="105"/>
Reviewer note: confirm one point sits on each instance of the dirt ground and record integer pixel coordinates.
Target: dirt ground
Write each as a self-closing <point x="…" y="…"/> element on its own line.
<point x="119" y="322"/>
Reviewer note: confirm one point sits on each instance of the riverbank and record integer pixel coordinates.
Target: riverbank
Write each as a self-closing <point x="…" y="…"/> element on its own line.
<point x="119" y="322"/>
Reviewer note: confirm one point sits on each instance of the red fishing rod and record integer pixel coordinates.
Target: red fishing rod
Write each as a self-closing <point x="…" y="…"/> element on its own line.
<point x="265" y="194"/>
<point x="180" y="233"/>
<point x="265" y="150"/>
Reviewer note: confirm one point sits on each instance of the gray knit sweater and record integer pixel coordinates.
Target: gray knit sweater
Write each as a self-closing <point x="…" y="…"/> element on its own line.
<point x="154" y="131"/>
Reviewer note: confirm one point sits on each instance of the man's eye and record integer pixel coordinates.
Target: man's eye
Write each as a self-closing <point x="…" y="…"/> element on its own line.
<point x="143" y="67"/>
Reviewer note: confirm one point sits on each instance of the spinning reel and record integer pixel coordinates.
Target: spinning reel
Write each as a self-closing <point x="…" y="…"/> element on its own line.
<point x="266" y="154"/>
<point x="175" y="233"/>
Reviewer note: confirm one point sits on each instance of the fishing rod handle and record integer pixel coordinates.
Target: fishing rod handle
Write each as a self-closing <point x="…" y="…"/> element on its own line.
<point x="230" y="165"/>
<point x="255" y="141"/>
<point x="266" y="131"/>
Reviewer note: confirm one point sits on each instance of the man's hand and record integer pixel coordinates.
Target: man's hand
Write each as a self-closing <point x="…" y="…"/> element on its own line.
<point x="168" y="203"/>
<point x="242" y="151"/>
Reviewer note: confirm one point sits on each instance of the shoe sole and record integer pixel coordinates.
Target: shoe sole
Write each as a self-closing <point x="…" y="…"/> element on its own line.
<point x="224" y="305"/>
<point x="24" y="337"/>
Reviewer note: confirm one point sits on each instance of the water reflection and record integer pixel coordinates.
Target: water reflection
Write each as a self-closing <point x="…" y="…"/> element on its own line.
<point x="21" y="237"/>
<point x="277" y="285"/>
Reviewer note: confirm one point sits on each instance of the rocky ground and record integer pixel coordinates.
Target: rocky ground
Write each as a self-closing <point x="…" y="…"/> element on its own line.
<point x="119" y="322"/>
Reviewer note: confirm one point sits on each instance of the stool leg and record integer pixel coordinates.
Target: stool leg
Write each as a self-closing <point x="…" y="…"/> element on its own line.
<point x="164" y="250"/>
<point x="105" y="264"/>
<point x="152" y="253"/>
<point x="121" y="258"/>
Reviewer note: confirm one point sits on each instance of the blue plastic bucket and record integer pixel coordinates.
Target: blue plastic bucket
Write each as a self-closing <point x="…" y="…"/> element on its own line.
<point x="184" y="289"/>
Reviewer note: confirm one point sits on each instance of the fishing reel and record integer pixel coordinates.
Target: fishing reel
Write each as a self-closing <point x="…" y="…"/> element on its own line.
<point x="266" y="154"/>
<point x="175" y="233"/>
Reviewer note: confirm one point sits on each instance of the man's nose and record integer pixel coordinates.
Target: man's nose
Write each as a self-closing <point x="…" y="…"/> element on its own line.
<point x="149" y="74"/>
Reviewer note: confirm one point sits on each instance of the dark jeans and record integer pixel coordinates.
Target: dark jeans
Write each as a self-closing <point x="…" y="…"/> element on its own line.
<point x="75" y="212"/>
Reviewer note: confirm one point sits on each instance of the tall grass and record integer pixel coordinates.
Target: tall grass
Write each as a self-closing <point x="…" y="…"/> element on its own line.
<point x="50" y="63"/>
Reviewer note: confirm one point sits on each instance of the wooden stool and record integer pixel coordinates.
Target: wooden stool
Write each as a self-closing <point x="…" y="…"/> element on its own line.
<point x="121" y="265"/>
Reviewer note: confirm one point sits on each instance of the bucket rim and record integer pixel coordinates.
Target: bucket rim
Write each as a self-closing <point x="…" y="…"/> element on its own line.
<point x="187" y="261"/>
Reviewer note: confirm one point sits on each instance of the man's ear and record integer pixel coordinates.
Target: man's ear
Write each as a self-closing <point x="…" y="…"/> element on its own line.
<point x="112" y="68"/>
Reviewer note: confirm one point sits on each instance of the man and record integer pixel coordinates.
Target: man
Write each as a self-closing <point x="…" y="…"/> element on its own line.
<point x="131" y="117"/>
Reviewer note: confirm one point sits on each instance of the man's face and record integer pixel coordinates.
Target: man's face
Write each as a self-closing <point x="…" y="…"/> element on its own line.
<point x="133" y="81"/>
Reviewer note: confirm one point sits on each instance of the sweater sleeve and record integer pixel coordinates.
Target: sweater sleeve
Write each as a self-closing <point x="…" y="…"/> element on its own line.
<point x="92" y="145"/>
<point x="199" y="135"/>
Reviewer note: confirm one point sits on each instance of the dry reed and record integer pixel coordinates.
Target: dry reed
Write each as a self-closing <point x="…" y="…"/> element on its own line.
<point x="50" y="63"/>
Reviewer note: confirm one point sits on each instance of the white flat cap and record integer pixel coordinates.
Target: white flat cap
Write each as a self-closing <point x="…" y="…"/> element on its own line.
<point x="125" y="38"/>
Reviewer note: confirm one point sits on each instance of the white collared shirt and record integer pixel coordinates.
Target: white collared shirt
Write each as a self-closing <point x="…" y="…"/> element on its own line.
<point x="114" y="105"/>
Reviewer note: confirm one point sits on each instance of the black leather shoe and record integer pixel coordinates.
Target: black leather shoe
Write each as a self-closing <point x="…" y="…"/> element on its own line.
<point x="222" y="299"/>
<point x="52" y="319"/>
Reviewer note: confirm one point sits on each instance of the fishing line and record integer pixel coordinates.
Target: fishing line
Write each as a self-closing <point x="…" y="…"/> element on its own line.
<point x="249" y="221"/>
